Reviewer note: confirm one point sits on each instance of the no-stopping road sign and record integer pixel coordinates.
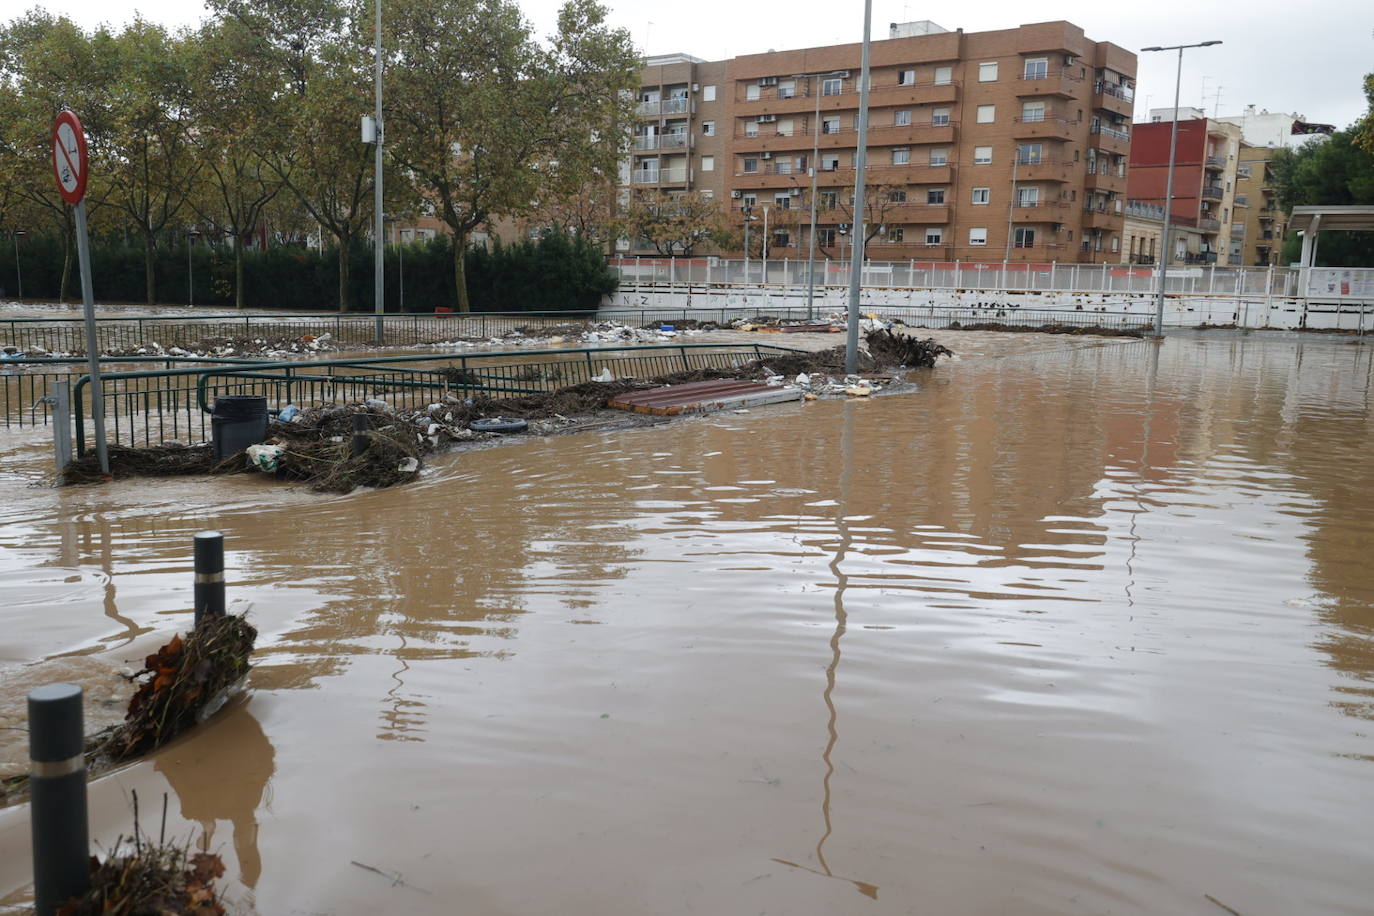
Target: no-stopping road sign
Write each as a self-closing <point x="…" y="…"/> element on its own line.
<point x="69" y="157"/>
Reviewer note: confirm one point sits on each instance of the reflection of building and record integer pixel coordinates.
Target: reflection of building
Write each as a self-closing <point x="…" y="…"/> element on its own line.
<point x="1264" y="222"/>
<point x="1204" y="189"/>
<point x="980" y="145"/>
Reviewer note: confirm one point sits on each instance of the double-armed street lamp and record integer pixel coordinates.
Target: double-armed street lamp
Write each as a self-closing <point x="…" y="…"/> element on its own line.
<point x="1169" y="180"/>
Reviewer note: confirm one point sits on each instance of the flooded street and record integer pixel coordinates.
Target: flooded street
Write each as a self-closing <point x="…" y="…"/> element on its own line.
<point x="1081" y="626"/>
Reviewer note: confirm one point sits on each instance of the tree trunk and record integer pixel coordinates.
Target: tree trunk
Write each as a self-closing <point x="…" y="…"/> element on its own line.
<point x="460" y="279"/>
<point x="343" y="272"/>
<point x="149" y="270"/>
<point x="238" y="270"/>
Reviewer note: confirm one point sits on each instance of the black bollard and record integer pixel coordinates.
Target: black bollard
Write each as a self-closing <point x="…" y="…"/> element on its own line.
<point x="61" y="845"/>
<point x="361" y="424"/>
<point x="209" y="587"/>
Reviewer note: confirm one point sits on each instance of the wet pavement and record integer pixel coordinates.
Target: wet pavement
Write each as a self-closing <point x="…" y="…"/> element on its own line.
<point x="1078" y="627"/>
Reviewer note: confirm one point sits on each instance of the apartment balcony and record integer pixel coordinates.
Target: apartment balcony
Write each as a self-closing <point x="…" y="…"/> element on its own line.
<point x="1036" y="251"/>
<point x="1112" y="139"/>
<point x="1214" y="162"/>
<point x="1266" y="214"/>
<point x="663" y="141"/>
<point x="1043" y="211"/>
<point x="1061" y="83"/>
<point x="1113" y="97"/>
<point x="1098" y="217"/>
<point x="772" y="175"/>
<point x="660" y="177"/>
<point x="914" y="214"/>
<point x="664" y="107"/>
<point x="801" y="138"/>
<point x="1209" y="225"/>
<point x="1060" y="170"/>
<point x="1104" y="181"/>
<point x="1045" y="128"/>
<point x="1242" y="200"/>
<point x="1213" y="192"/>
<point x="804" y="102"/>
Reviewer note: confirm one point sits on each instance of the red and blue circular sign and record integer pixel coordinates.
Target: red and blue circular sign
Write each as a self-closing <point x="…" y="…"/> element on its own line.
<point x="69" y="157"/>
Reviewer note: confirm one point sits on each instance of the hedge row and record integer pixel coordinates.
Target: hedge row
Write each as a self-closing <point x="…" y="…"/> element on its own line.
<point x="554" y="273"/>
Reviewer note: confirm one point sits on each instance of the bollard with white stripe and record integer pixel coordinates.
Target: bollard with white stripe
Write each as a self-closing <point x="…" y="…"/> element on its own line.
<point x="61" y="843"/>
<point x="209" y="586"/>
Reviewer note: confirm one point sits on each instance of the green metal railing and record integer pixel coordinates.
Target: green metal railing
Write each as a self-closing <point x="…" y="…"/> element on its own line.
<point x="154" y="406"/>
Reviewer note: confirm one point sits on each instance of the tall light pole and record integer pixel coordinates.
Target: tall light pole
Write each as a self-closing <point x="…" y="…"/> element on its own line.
<point x="378" y="295"/>
<point x="1169" y="180"/>
<point x="815" y="156"/>
<point x="748" y="218"/>
<point x="765" y="244"/>
<point x="190" y="269"/>
<point x="856" y="250"/>
<point x="18" y="274"/>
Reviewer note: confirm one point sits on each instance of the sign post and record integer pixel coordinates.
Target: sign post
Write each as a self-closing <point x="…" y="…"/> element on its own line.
<point x="70" y="167"/>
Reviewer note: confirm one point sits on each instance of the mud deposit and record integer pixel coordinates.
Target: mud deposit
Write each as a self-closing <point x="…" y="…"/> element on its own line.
<point x="1079" y="626"/>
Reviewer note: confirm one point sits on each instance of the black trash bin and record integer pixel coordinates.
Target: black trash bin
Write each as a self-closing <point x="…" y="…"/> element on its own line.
<point x="238" y="421"/>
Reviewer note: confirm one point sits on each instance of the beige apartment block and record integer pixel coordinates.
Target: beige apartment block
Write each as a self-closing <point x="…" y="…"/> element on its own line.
<point x="677" y="141"/>
<point x="1143" y="235"/>
<point x="1264" y="223"/>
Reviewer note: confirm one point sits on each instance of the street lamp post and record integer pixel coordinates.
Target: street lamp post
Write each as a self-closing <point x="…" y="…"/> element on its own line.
<point x="748" y="218"/>
<point x="378" y="293"/>
<point x="18" y="274"/>
<point x="765" y="244"/>
<point x="843" y="231"/>
<point x="1169" y="180"/>
<point x="191" y="237"/>
<point x="856" y="250"/>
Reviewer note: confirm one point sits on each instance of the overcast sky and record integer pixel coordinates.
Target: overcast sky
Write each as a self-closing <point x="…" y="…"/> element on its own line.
<point x="1305" y="57"/>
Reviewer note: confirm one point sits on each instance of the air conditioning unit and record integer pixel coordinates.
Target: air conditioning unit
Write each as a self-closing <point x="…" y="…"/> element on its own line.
<point x="736" y="194"/>
<point x="1058" y="227"/>
<point x="1070" y="60"/>
<point x="794" y="192"/>
<point x="765" y="155"/>
<point x="843" y="74"/>
<point x="767" y="119"/>
<point x="768" y="81"/>
<point x="696" y="87"/>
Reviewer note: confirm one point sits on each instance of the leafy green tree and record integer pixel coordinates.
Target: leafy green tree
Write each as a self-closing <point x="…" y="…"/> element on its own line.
<point x="1364" y="128"/>
<point x="1333" y="172"/>
<point x="483" y="118"/>
<point x="674" y="224"/>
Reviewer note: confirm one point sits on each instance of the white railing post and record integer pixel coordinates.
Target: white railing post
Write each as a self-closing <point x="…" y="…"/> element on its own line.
<point x="1073" y="279"/>
<point x="958" y="276"/>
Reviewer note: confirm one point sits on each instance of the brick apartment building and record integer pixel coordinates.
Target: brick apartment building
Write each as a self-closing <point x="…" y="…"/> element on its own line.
<point x="1264" y="222"/>
<point x="981" y="145"/>
<point x="1204" y="194"/>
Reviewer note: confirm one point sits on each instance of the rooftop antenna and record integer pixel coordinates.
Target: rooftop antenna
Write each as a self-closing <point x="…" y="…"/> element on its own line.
<point x="1216" y="100"/>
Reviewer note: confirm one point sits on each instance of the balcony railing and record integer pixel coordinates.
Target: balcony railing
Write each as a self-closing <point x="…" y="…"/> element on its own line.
<point x="1142" y="210"/>
<point x="1242" y="200"/>
<point x="664" y="106"/>
<point x="663" y="141"/>
<point x="1215" y="162"/>
<point x="1213" y="192"/>
<point x="1116" y="90"/>
<point x="659" y="176"/>
<point x="1209" y="225"/>
<point x="1107" y="131"/>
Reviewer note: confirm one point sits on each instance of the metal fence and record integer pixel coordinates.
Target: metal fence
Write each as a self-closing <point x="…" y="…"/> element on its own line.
<point x="124" y="335"/>
<point x="154" y="406"/>
<point x="791" y="271"/>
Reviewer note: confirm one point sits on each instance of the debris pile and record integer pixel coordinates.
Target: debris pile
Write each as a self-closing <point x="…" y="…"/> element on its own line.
<point x="275" y="346"/>
<point x="154" y="878"/>
<point x="1094" y="330"/>
<point x="890" y="349"/>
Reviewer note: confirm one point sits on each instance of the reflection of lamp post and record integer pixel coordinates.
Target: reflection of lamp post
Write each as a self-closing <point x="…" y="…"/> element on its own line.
<point x="1169" y="179"/>
<point x="190" y="268"/>
<point x="18" y="274"/>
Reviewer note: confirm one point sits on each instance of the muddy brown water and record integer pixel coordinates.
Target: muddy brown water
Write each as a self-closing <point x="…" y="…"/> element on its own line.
<point x="1078" y="627"/>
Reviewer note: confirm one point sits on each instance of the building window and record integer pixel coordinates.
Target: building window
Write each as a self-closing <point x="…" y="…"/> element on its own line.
<point x="1024" y="238"/>
<point x="901" y="156"/>
<point x="1037" y="68"/>
<point x="901" y="119"/>
<point x="708" y="128"/>
<point x="939" y="157"/>
<point x="829" y="199"/>
<point x="987" y="114"/>
<point x="751" y="128"/>
<point x="708" y="163"/>
<point x="977" y="236"/>
<point x="751" y="92"/>
<point x="1032" y="111"/>
<point x="782" y="239"/>
<point x="1029" y="153"/>
<point x="895" y="234"/>
<point x="782" y="201"/>
<point x="939" y="117"/>
<point x="1027" y="197"/>
<point x="708" y="93"/>
<point x="830" y="162"/>
<point x="751" y="164"/>
<point x="981" y="195"/>
<point x="982" y="155"/>
<point x="787" y="89"/>
<point x="906" y="77"/>
<point x="1116" y="244"/>
<point x="935" y="236"/>
<point x="830" y="125"/>
<point x="830" y="87"/>
<point x="944" y="76"/>
<point x="987" y="72"/>
<point x="749" y="201"/>
<point x="785" y="127"/>
<point x="897" y="197"/>
<point x="825" y="237"/>
<point x="935" y="196"/>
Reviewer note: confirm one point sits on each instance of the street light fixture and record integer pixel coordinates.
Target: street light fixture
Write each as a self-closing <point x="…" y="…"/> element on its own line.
<point x="1169" y="180"/>
<point x="18" y="274"/>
